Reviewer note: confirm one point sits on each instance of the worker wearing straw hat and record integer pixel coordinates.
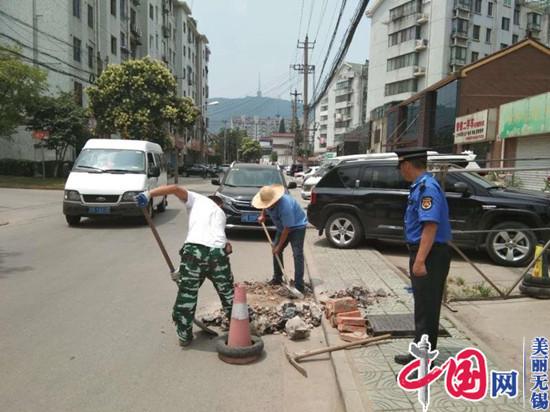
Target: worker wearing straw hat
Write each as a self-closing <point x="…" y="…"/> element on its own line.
<point x="290" y="221"/>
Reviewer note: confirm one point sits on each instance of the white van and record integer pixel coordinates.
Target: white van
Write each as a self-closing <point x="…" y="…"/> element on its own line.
<point x="107" y="175"/>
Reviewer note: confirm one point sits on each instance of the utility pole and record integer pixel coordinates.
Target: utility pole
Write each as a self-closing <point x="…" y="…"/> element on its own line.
<point x="35" y="62"/>
<point x="225" y="142"/>
<point x="294" y="123"/>
<point x="306" y="69"/>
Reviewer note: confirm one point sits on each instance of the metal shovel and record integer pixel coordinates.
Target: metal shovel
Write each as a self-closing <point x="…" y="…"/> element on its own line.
<point x="292" y="290"/>
<point x="173" y="271"/>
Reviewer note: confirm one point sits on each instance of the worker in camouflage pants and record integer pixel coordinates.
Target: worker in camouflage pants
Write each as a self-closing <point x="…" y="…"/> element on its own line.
<point x="204" y="255"/>
<point x="197" y="264"/>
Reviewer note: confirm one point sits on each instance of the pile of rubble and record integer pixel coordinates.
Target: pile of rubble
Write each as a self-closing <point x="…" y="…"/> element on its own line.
<point x="274" y="320"/>
<point x="363" y="296"/>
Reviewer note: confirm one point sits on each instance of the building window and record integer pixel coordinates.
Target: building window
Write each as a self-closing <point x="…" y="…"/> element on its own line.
<point x="405" y="60"/>
<point x="475" y="34"/>
<point x="477" y="6"/>
<point x="343" y="98"/>
<point x="77" y="44"/>
<point x="410" y="7"/>
<point x="475" y="56"/>
<point x="458" y="55"/>
<point x="402" y="86"/>
<point x="184" y="51"/>
<point x="90" y="16"/>
<point x="503" y="45"/>
<point x="76" y="8"/>
<point x="515" y="38"/>
<point x="113" y="7"/>
<point x="157" y="13"/>
<point x="488" y="36"/>
<point x="401" y="36"/>
<point x="151" y="40"/>
<point x="157" y="41"/>
<point x="122" y="40"/>
<point x="90" y="57"/>
<point x="78" y="93"/>
<point x="113" y="45"/>
<point x="508" y="3"/>
<point x="184" y="27"/>
<point x="490" y="8"/>
<point x="505" y="24"/>
<point x="516" y="16"/>
<point x="460" y="26"/>
<point x="123" y="9"/>
<point x="151" y="12"/>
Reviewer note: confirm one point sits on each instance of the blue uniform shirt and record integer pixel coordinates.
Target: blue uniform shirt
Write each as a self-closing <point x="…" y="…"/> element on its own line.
<point x="287" y="213"/>
<point x="427" y="203"/>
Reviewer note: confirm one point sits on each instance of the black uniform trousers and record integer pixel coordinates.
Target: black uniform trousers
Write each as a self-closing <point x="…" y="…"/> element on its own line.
<point x="428" y="291"/>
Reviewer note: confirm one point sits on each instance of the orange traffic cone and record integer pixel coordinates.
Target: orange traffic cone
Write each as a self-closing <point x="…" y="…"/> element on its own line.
<point x="239" y="346"/>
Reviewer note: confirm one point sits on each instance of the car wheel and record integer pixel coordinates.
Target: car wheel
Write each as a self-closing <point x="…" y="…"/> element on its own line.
<point x="72" y="220"/>
<point x="514" y="247"/>
<point x="162" y="206"/>
<point x="343" y="230"/>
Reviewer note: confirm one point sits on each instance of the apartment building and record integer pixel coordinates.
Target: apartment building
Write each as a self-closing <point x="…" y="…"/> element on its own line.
<point x="78" y="39"/>
<point x="416" y="43"/>
<point x="257" y="127"/>
<point x="342" y="108"/>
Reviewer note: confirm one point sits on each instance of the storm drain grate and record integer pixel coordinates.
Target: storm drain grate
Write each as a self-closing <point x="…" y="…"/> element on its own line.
<point x="400" y="325"/>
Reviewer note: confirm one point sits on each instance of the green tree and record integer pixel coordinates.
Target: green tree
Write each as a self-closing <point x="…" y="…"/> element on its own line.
<point x="250" y="150"/>
<point x="274" y="157"/>
<point x="64" y="119"/>
<point x="138" y="99"/>
<point x="231" y="140"/>
<point x="282" y="127"/>
<point x="20" y="85"/>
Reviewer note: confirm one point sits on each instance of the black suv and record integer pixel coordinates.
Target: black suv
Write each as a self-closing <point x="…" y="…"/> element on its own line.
<point x="237" y="188"/>
<point x="368" y="198"/>
<point x="198" y="170"/>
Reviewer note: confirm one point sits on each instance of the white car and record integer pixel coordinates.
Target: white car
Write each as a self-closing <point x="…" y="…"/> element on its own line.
<point x="107" y="175"/>
<point x="302" y="176"/>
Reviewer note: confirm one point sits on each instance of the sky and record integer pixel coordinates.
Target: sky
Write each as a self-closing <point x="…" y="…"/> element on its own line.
<point x="251" y="37"/>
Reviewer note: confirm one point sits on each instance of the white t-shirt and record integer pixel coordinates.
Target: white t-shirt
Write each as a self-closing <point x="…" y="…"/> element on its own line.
<point x="206" y="221"/>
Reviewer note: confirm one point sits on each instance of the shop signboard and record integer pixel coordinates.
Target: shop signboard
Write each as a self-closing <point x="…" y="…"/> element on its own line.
<point x="525" y="117"/>
<point x="476" y="127"/>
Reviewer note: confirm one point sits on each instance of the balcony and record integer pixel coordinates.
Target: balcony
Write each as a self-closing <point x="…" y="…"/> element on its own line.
<point x="419" y="71"/>
<point x="457" y="34"/>
<point x="465" y="5"/>
<point x="342" y="92"/>
<point x="421" y="44"/>
<point x="421" y="18"/>
<point x="165" y="32"/>
<point x="533" y="26"/>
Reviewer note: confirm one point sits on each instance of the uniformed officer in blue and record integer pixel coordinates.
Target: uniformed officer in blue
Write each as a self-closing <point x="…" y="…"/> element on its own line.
<point x="427" y="232"/>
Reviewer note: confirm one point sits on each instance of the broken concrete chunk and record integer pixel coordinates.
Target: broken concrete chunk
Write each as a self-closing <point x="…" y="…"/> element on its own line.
<point x="296" y="328"/>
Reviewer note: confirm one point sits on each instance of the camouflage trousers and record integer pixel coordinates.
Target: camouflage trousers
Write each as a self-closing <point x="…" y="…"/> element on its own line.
<point x="198" y="263"/>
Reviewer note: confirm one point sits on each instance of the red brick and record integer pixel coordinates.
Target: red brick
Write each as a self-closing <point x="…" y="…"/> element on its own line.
<point x="353" y="314"/>
<point x="353" y="337"/>
<point x="342" y="327"/>
<point x="341" y="305"/>
<point x="352" y="321"/>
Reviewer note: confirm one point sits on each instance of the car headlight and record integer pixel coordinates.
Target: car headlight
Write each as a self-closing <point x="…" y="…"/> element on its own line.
<point x="72" y="195"/>
<point x="226" y="200"/>
<point x="129" y="196"/>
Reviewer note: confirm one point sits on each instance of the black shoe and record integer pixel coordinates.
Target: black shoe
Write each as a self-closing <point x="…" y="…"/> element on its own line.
<point x="403" y="359"/>
<point x="275" y="282"/>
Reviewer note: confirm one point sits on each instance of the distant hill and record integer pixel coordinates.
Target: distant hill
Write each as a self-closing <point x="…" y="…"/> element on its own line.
<point x="247" y="106"/>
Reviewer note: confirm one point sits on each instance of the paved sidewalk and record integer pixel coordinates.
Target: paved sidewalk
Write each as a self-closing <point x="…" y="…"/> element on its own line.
<point x="367" y="376"/>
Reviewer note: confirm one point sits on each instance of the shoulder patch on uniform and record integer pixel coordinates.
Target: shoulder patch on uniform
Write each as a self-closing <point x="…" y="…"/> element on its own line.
<point x="426" y="203"/>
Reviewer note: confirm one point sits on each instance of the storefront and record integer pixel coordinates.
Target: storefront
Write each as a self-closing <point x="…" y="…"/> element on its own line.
<point x="526" y="123"/>
<point x="477" y="132"/>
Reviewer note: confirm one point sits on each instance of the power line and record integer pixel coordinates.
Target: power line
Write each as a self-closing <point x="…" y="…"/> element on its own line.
<point x="299" y="29"/>
<point x="74" y="76"/>
<point x="324" y="9"/>
<point x="327" y="32"/>
<point x="310" y="15"/>
<point x="342" y="7"/>
<point x="360" y="11"/>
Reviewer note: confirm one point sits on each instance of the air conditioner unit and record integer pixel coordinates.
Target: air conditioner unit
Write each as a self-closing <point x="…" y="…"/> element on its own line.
<point x="419" y="71"/>
<point x="421" y="18"/>
<point x="421" y="44"/>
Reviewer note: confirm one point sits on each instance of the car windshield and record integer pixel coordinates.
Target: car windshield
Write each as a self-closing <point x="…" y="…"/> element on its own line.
<point x="105" y="160"/>
<point x="253" y="177"/>
<point x="479" y="180"/>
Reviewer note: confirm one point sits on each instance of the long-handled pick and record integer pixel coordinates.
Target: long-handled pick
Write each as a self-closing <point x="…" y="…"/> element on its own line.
<point x="173" y="271"/>
<point x="295" y="292"/>
<point x="295" y="358"/>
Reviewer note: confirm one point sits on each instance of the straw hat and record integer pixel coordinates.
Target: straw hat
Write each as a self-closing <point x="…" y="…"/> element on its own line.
<point x="268" y="196"/>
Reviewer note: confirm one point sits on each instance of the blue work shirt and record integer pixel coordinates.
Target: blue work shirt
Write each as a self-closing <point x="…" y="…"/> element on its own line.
<point x="427" y="203"/>
<point x="287" y="213"/>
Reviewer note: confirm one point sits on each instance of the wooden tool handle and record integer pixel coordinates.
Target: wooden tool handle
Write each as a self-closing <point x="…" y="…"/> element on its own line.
<point x="276" y="256"/>
<point x="159" y="240"/>
<point x="340" y="347"/>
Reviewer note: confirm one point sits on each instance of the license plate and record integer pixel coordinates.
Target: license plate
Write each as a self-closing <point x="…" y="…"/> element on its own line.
<point x="250" y="217"/>
<point x="99" y="210"/>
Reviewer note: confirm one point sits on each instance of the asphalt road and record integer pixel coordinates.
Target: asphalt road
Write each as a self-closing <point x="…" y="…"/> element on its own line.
<point x="86" y="321"/>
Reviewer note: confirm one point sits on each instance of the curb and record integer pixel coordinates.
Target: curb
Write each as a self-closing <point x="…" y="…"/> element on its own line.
<point x="347" y="386"/>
